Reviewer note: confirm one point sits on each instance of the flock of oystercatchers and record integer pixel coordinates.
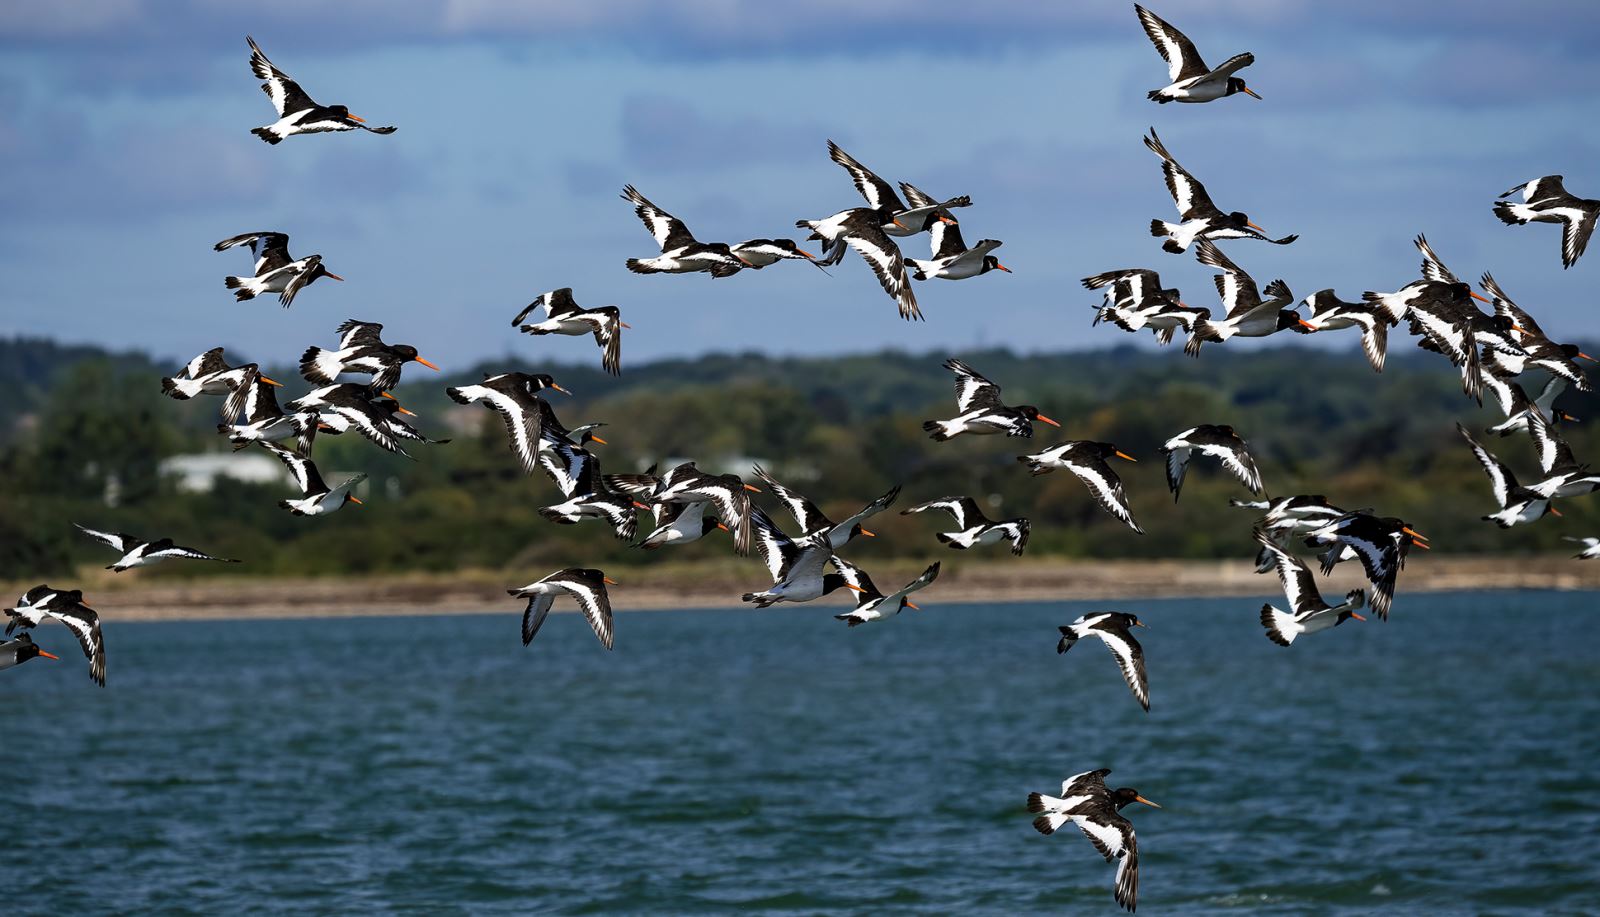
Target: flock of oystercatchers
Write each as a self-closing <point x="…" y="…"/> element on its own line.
<point x="687" y="504"/>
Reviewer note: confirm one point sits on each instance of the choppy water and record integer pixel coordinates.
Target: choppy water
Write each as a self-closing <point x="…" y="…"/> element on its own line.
<point x="1447" y="762"/>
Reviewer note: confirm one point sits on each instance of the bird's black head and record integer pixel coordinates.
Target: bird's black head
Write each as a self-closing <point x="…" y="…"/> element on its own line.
<point x="1107" y="450"/>
<point x="1126" y="795"/>
<point x="834" y="581"/>
<point x="26" y="649"/>
<point x="991" y="263"/>
<point x="1290" y="320"/>
<point x="318" y="269"/>
<point x="539" y="381"/>
<point x="1236" y="85"/>
<point x="1032" y="413"/>
<point x="857" y="529"/>
<point x="1131" y="620"/>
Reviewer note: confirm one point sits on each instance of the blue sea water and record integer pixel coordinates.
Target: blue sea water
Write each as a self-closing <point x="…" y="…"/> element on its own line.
<point x="1447" y="762"/>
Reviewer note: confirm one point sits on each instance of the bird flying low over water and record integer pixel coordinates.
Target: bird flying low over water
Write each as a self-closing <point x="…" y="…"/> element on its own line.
<point x="1287" y="516"/>
<point x="22" y="649"/>
<point x="1088" y="463"/>
<point x="137" y="552"/>
<point x="1198" y="217"/>
<point x="981" y="410"/>
<point x="680" y="252"/>
<point x="1310" y="613"/>
<point x="513" y="396"/>
<point x="1380" y="543"/>
<point x="1545" y="200"/>
<point x="973" y="528"/>
<point x="1097" y="811"/>
<point x="795" y="564"/>
<point x="1112" y="627"/>
<point x="1218" y="441"/>
<point x="1591" y="547"/>
<point x="812" y="520"/>
<point x="1192" y="80"/>
<point x="588" y="496"/>
<point x="44" y="603"/>
<point x="587" y="585"/>
<point x="686" y="483"/>
<point x="680" y="523"/>
<point x="361" y="350"/>
<point x="316" y="497"/>
<point x="210" y="374"/>
<point x="275" y="271"/>
<point x="1517" y="503"/>
<point x="872" y="605"/>
<point x="563" y="315"/>
<point x="1564" y="476"/>
<point x="297" y="112"/>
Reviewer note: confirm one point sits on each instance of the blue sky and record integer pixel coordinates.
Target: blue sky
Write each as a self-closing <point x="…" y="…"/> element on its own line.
<point x="124" y="138"/>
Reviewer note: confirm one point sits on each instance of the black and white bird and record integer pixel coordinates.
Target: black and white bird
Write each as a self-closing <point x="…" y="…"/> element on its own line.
<point x="137" y="552"/>
<point x="1380" y="543"/>
<point x="1544" y="200"/>
<point x="275" y="271"/>
<point x="812" y="520"/>
<point x="1134" y="300"/>
<point x="1564" y="475"/>
<point x="349" y="405"/>
<point x="1516" y="404"/>
<point x="1218" y="441"/>
<point x="316" y="497"/>
<point x="687" y="484"/>
<point x="1432" y="285"/>
<point x="899" y="219"/>
<point x="265" y="420"/>
<point x="1192" y="80"/>
<point x="1330" y="313"/>
<point x="1286" y="517"/>
<point x="861" y="228"/>
<point x="1536" y="350"/>
<point x="1088" y="462"/>
<point x="297" y="113"/>
<point x="361" y="350"/>
<point x="873" y="605"/>
<point x="680" y="523"/>
<point x="796" y="565"/>
<point x="1591" y="547"/>
<point x="1113" y="629"/>
<point x="980" y="410"/>
<point x="389" y="412"/>
<point x="1309" y="613"/>
<point x="680" y="252"/>
<point x="759" y="253"/>
<point x="514" y="397"/>
<point x="210" y="374"/>
<point x="973" y="528"/>
<point x="585" y="584"/>
<point x="1517" y="504"/>
<point x="1097" y="811"/>
<point x="563" y="315"/>
<point x="44" y="603"/>
<point x="589" y="497"/>
<point x="1248" y="315"/>
<point x="1198" y="217"/>
<point x="22" y="649"/>
<point x="952" y="259"/>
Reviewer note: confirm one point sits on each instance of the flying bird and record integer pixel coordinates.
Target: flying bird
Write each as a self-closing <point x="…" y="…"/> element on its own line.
<point x="1192" y="80"/>
<point x="795" y="564"/>
<point x="1591" y="547"/>
<point x="587" y="585"/>
<point x="1564" y="475"/>
<point x="1113" y="629"/>
<point x="265" y="420"/>
<point x="297" y="112"/>
<point x="680" y="523"/>
<point x="899" y="219"/>
<point x="22" y="649"/>
<point x="137" y="552"/>
<point x="813" y="520"/>
<point x="349" y="405"/>
<point x="1097" y="811"/>
<point x="361" y="350"/>
<point x="1310" y="613"/>
<point x="513" y="396"/>
<point x="43" y="603"/>
<point x="980" y="410"/>
<point x="210" y="374"/>
<point x="760" y="253"/>
<point x="563" y="315"/>
<point x="1088" y="462"/>
<point x="1517" y="504"/>
<point x="1248" y="315"/>
<point x="952" y="259"/>
<point x="589" y="497"/>
<point x="1380" y="543"/>
<point x="862" y="229"/>
<point x="316" y="498"/>
<point x="1545" y="200"/>
<point x="687" y="484"/>
<point x="1218" y="441"/>
<point x="973" y="528"/>
<point x="275" y="271"/>
<point x="1330" y="313"/>
<point x="1198" y="217"/>
<point x="873" y="605"/>
<point x="680" y="253"/>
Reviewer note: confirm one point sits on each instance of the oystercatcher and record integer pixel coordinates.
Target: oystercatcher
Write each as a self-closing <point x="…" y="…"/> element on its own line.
<point x="760" y="253"/>
<point x="1544" y="200"/>
<point x="980" y="410"/>
<point x="563" y="315"/>
<point x="1517" y="503"/>
<point x="1112" y="627"/>
<point x="872" y="605"/>
<point x="316" y="498"/>
<point x="862" y="229"/>
<point x="1248" y="314"/>
<point x="137" y="552"/>
<point x="275" y="271"/>
<point x="210" y="374"/>
<point x="680" y="253"/>
<point x="813" y="520"/>
<point x="1287" y="516"/>
<point x="795" y="564"/>
<point x="1192" y="80"/>
<point x="512" y="396"/>
<point x="263" y="419"/>
<point x="1087" y="461"/>
<point x="1218" y="441"/>
<point x="589" y="497"/>
<point x="1564" y="476"/>
<point x="297" y="113"/>
<point x="1537" y="350"/>
<point x="389" y="412"/>
<point x="1198" y="217"/>
<point x="585" y="584"/>
<point x="1516" y="404"/>
<point x="1134" y="300"/>
<point x="1379" y="543"/>
<point x="899" y="219"/>
<point x="348" y="405"/>
<point x="952" y="259"/>
<point x="688" y="484"/>
<point x="1591" y="548"/>
<point x="42" y="603"/>
<point x="1330" y="313"/>
<point x="1310" y="613"/>
<point x="361" y="350"/>
<point x="1097" y="811"/>
<point x="680" y="523"/>
<point x="22" y="649"/>
<point x="973" y="528"/>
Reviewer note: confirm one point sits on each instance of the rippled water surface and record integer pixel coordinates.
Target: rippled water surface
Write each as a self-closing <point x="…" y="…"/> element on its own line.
<point x="1446" y="762"/>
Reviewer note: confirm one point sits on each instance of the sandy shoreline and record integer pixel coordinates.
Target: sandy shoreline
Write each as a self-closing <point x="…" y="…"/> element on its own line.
<point x="125" y="598"/>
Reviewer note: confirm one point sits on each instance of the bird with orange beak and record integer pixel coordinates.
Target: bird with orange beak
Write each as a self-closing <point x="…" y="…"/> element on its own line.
<point x="981" y="410"/>
<point x="812" y="520"/>
<point x="872" y="605"/>
<point x="23" y="649"/>
<point x="66" y="606"/>
<point x="361" y="350"/>
<point x="585" y="584"/>
<point x="1087" y="802"/>
<point x="298" y="113"/>
<point x="563" y="315"/>
<point x="275" y="271"/>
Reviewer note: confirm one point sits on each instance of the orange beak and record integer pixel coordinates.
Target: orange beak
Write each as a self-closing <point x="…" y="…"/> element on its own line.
<point x="1000" y="267"/>
<point x="324" y="426"/>
<point x="856" y="588"/>
<point x="1554" y="511"/>
<point x="609" y="581"/>
<point x="1587" y="357"/>
<point x="270" y="381"/>
<point x="1146" y="802"/>
<point x="947" y="218"/>
<point x="723" y="527"/>
<point x="1121" y="454"/>
<point x="1477" y="297"/>
<point x="404" y="411"/>
<point x="356" y="500"/>
<point x="388" y="396"/>
<point x="597" y="439"/>
<point x="807" y="254"/>
<point x="638" y="505"/>
<point x="902" y="225"/>
<point x="1414" y="533"/>
<point x="333" y="275"/>
<point x="752" y="489"/>
<point x="1357" y="617"/>
<point x="1249" y="92"/>
<point x="868" y="534"/>
<point x="1306" y="324"/>
<point x="1043" y="419"/>
<point x="624" y="324"/>
<point x="354" y="118"/>
<point x="559" y="389"/>
<point x="50" y="655"/>
<point x="428" y="364"/>
<point x="1254" y="226"/>
<point x="913" y="605"/>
